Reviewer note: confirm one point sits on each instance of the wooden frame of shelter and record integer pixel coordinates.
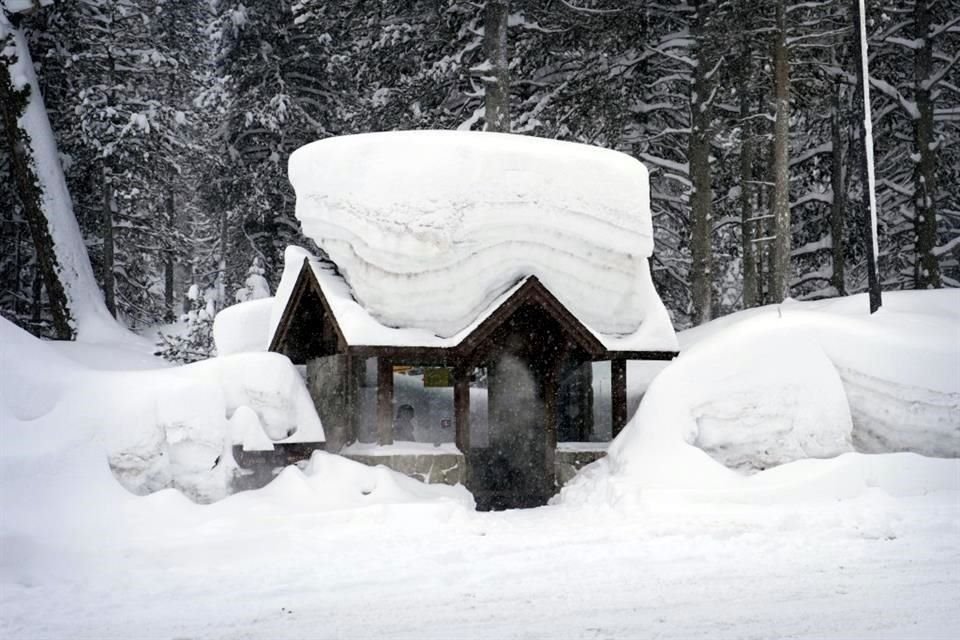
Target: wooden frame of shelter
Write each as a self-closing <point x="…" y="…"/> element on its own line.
<point x="531" y="324"/>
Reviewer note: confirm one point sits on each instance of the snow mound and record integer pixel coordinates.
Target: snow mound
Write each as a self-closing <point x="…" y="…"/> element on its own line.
<point x="32" y="376"/>
<point x="243" y="327"/>
<point x="184" y="421"/>
<point x="776" y="385"/>
<point x="154" y="429"/>
<point x="330" y="482"/>
<point x="430" y="227"/>
<point x="755" y="396"/>
<point x="900" y="367"/>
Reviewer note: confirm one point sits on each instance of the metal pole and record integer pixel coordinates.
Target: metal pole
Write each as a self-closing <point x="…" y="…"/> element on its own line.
<point x="866" y="165"/>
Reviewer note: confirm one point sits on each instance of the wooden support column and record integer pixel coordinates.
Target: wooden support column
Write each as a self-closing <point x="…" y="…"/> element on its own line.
<point x="586" y="401"/>
<point x="356" y="373"/>
<point x="384" y="401"/>
<point x="550" y="414"/>
<point x="461" y="408"/>
<point x="618" y="395"/>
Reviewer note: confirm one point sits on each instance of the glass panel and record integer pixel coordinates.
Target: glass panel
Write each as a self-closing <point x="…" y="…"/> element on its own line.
<point x="367" y="405"/>
<point x="421" y="413"/>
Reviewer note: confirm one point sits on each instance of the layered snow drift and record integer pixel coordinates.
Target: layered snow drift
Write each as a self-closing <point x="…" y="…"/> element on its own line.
<point x="900" y="367"/>
<point x="155" y="428"/>
<point x="429" y="228"/>
<point x="755" y="396"/>
<point x="787" y="382"/>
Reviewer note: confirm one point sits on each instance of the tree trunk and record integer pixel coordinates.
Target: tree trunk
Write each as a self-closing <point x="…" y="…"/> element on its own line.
<point x="18" y="267"/>
<point x="838" y="196"/>
<point x="106" y="235"/>
<point x="497" y="76"/>
<point x="168" y="280"/>
<point x="61" y="253"/>
<point x="780" y="209"/>
<point x="222" y="263"/>
<point x="37" y="312"/>
<point x="927" y="268"/>
<point x="760" y="252"/>
<point x="15" y="99"/>
<point x="751" y="293"/>
<point x="700" y="178"/>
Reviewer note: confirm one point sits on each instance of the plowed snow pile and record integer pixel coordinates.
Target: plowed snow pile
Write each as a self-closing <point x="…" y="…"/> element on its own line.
<point x="430" y="227"/>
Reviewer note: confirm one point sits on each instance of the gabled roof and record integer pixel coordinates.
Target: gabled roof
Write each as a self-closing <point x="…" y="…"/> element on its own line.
<point x="321" y="295"/>
<point x="532" y="290"/>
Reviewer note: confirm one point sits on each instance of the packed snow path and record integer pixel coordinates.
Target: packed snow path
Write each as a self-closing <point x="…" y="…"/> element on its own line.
<point x="870" y="567"/>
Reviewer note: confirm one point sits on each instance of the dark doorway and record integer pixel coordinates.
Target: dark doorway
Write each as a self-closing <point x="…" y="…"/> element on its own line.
<point x="516" y="469"/>
<point x="511" y="471"/>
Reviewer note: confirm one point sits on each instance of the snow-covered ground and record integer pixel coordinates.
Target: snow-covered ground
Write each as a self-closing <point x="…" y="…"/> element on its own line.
<point x="269" y="567"/>
<point x="660" y="539"/>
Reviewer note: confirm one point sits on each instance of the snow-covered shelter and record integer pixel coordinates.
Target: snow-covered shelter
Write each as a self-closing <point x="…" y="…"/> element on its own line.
<point x="498" y="265"/>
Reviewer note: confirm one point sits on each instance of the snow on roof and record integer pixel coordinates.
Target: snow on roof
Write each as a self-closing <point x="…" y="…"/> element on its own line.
<point x="361" y="328"/>
<point x="430" y="229"/>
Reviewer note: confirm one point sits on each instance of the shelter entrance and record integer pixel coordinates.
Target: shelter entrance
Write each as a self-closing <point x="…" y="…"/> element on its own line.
<point x="522" y="358"/>
<point x="512" y="468"/>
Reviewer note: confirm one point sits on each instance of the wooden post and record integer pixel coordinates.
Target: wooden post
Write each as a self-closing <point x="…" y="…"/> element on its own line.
<point x="384" y="401"/>
<point x="618" y="395"/>
<point x="461" y="408"/>
<point x="356" y="374"/>
<point x="586" y="401"/>
<point x="550" y="414"/>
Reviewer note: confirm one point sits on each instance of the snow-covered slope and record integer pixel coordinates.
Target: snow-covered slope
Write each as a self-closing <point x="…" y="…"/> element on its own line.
<point x="430" y="227"/>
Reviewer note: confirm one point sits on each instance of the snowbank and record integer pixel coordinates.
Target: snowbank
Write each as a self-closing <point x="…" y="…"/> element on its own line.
<point x="183" y="418"/>
<point x="156" y="428"/>
<point x="780" y="384"/>
<point x="900" y="367"/>
<point x="846" y="477"/>
<point x="755" y="396"/>
<point x="429" y="228"/>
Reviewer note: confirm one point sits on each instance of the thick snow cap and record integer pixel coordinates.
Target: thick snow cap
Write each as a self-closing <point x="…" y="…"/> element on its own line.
<point x="429" y="228"/>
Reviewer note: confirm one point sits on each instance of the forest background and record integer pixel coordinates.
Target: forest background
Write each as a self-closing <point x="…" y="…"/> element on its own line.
<point x="173" y="121"/>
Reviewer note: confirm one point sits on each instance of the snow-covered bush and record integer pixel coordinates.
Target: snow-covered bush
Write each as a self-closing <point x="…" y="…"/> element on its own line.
<point x="195" y="342"/>
<point x="255" y="286"/>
